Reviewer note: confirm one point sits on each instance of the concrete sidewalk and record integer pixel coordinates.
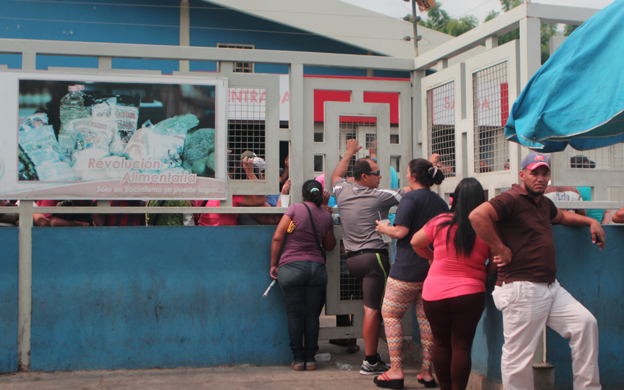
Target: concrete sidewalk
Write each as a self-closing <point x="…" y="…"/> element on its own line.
<point x="328" y="376"/>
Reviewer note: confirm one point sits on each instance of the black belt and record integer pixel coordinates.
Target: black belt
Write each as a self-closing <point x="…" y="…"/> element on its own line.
<point x="363" y="251"/>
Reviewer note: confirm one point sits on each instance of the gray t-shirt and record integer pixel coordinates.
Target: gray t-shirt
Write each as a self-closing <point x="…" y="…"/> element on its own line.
<point x="359" y="207"/>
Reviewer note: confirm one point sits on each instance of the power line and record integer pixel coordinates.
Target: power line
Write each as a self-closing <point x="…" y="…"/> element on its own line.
<point x="200" y="28"/>
<point x="206" y="8"/>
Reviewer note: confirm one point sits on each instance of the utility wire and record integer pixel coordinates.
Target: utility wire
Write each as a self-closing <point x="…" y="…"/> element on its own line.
<point x="206" y="8"/>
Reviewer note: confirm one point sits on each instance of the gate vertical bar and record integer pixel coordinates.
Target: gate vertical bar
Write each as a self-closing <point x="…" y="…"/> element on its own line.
<point x="297" y="133"/>
<point x="24" y="299"/>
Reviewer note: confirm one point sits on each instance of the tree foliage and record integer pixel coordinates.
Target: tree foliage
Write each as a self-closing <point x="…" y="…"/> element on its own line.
<point x="438" y="19"/>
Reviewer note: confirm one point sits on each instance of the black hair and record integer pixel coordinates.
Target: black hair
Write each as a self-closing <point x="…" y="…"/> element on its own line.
<point x="361" y="167"/>
<point x="312" y="191"/>
<point x="467" y="196"/>
<point x="425" y="173"/>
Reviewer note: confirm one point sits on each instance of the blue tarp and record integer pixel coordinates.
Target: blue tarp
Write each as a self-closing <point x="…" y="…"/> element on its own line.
<point x="577" y="96"/>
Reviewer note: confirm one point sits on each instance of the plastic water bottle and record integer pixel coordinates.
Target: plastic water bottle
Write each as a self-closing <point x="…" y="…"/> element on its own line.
<point x="72" y="107"/>
<point x="323" y="357"/>
<point x="87" y="110"/>
<point x="344" y="366"/>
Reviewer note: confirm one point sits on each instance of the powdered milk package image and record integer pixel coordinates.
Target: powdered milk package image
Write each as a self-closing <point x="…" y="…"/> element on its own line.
<point x="93" y="131"/>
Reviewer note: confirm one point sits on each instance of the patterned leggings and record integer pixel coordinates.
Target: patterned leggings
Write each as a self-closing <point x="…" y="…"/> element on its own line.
<point x="399" y="297"/>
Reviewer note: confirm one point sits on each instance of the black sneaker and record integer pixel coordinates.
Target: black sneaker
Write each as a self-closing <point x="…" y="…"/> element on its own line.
<point x="374" y="369"/>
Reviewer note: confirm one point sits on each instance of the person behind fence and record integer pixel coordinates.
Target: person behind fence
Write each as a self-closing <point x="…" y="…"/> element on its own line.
<point x="303" y="235"/>
<point x="8" y="219"/>
<point x="618" y="217"/>
<point x="71" y="219"/>
<point x="454" y="291"/>
<point x="517" y="226"/>
<point x="162" y="219"/>
<point x="409" y="271"/>
<point x="222" y="219"/>
<point x="360" y="204"/>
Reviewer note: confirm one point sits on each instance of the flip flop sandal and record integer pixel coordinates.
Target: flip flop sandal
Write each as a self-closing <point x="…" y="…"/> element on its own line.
<point x="428" y="384"/>
<point x="384" y="381"/>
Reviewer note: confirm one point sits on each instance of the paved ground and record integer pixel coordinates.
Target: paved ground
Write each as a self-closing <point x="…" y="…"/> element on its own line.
<point x="328" y="376"/>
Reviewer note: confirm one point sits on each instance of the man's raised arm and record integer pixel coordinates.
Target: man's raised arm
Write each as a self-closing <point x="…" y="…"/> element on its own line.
<point x="483" y="219"/>
<point x="343" y="165"/>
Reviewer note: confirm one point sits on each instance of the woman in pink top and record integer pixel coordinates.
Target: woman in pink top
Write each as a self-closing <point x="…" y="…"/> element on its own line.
<point x="454" y="291"/>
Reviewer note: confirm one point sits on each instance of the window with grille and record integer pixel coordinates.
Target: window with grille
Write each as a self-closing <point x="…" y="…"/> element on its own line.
<point x="246" y="130"/>
<point x="239" y="67"/>
<point x="441" y="126"/>
<point x="490" y="112"/>
<point x="362" y="128"/>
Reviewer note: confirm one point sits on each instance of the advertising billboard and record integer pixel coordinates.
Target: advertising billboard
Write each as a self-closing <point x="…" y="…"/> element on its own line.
<point x="112" y="137"/>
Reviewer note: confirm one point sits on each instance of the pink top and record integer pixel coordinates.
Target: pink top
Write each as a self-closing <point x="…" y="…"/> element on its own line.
<point x="450" y="276"/>
<point x="214" y="219"/>
<point x="47" y="203"/>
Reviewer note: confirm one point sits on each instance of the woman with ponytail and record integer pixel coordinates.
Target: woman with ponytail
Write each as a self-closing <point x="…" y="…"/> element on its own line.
<point x="409" y="271"/>
<point x="454" y="291"/>
<point x="306" y="231"/>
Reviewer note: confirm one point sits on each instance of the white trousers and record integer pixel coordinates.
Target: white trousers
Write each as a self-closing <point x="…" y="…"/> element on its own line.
<point x="526" y="308"/>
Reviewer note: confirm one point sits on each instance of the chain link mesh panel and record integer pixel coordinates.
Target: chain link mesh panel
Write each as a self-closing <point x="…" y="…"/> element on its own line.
<point x="490" y="110"/>
<point x="350" y="286"/>
<point x="246" y="130"/>
<point x="441" y="126"/>
<point x="362" y="128"/>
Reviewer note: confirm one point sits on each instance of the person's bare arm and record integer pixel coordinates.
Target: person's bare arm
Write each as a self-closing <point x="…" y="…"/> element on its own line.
<point x="329" y="241"/>
<point x="98" y="219"/>
<point x="285" y="175"/>
<point x="343" y="165"/>
<point x="40" y="220"/>
<point x="396" y="231"/>
<point x="251" y="200"/>
<point x="276" y="243"/>
<point x="606" y="217"/>
<point x="61" y="222"/>
<point x="567" y="218"/>
<point x="618" y="217"/>
<point x="491" y="266"/>
<point x="420" y="242"/>
<point x="483" y="219"/>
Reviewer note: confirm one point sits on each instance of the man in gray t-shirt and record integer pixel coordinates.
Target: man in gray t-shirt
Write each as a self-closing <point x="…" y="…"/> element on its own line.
<point x="360" y="205"/>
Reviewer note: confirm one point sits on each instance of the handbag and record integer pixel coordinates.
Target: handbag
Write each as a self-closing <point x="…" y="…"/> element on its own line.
<point x="316" y="234"/>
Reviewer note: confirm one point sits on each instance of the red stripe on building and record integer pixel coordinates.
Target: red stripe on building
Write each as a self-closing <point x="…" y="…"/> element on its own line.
<point x="504" y="103"/>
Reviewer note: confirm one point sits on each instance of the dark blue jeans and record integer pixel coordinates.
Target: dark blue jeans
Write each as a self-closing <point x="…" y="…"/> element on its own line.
<point x="303" y="286"/>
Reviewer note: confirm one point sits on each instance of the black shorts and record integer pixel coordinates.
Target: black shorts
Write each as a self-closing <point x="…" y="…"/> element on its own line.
<point x="373" y="269"/>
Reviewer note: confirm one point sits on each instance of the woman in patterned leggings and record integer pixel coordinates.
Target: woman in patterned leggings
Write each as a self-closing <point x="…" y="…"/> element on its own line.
<point x="454" y="291"/>
<point x="409" y="271"/>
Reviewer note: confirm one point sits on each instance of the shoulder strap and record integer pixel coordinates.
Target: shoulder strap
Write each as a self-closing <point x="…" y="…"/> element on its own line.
<point x="315" y="233"/>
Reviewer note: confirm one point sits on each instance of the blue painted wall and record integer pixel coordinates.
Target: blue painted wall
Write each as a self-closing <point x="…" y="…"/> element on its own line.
<point x="8" y="298"/>
<point x="594" y="278"/>
<point x="110" y="298"/>
<point x="157" y="22"/>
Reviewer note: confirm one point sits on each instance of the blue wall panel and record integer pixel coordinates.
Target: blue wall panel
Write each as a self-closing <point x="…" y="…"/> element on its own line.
<point x="8" y="298"/>
<point x="488" y="341"/>
<point x="594" y="278"/>
<point x="109" y="298"/>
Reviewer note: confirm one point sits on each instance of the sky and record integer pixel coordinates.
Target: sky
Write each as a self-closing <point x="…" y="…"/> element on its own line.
<point x="458" y="8"/>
